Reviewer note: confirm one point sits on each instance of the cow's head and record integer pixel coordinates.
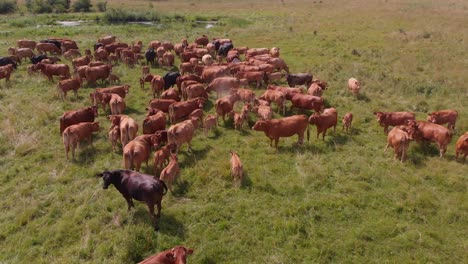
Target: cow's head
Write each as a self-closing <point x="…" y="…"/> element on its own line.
<point x="108" y="177"/>
<point x="259" y="126"/>
<point x="380" y="116"/>
<point x="115" y="119"/>
<point x="94" y="108"/>
<point x="96" y="127"/>
<point x="179" y="254"/>
<point x="413" y="130"/>
<point x="313" y="119"/>
<point x="431" y="117"/>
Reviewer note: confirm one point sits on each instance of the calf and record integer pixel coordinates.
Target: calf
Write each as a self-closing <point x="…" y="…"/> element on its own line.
<point x="327" y="119"/>
<point x="162" y="156"/>
<point x="138" y="186"/>
<point x="176" y="255"/>
<point x="461" y="148"/>
<point x="225" y="105"/>
<point x="236" y="167"/>
<point x="210" y="121"/>
<point x="443" y="117"/>
<point x="347" y="120"/>
<point x="354" y="86"/>
<point x="246" y="95"/>
<point x="284" y="127"/>
<point x="432" y="132"/>
<point x="399" y="140"/>
<point x="73" y="134"/>
<point x="5" y="72"/>
<point x="240" y="118"/>
<point x="387" y="119"/>
<point x="317" y="87"/>
<point x="137" y="151"/>
<point x="264" y="112"/>
<point x="127" y="126"/>
<point x="87" y="114"/>
<point x="157" y="85"/>
<point x="68" y="85"/>
<point x="170" y="173"/>
<point x="114" y="136"/>
<point x="277" y="97"/>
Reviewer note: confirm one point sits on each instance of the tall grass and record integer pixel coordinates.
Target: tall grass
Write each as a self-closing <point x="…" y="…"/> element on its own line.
<point x="338" y="200"/>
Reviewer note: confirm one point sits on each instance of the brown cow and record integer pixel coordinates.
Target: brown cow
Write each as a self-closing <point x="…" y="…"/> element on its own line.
<point x="246" y="95"/>
<point x="461" y="148"/>
<point x="225" y="105"/>
<point x="213" y="72"/>
<point x="354" y="86"/>
<point x="107" y="40"/>
<point x="438" y="134"/>
<point x="279" y="64"/>
<point x="162" y="156"/>
<point x="256" y="51"/>
<point x="86" y="114"/>
<point x="154" y="121"/>
<point x="137" y="151"/>
<point x="22" y="53"/>
<point x="24" y="43"/>
<point x="138" y="186"/>
<point x="5" y="72"/>
<point x="64" y="86"/>
<point x="387" y="119"/>
<point x="127" y="125"/>
<point x="71" y="54"/>
<point x="277" y="97"/>
<point x="116" y="103"/>
<point x="157" y="85"/>
<point x="317" y="87"/>
<point x="176" y="255"/>
<point x="329" y="118"/>
<point x="210" y="121"/>
<point x="161" y="104"/>
<point x="180" y="110"/>
<point x="73" y="134"/>
<point x="264" y="112"/>
<point x="239" y="118"/>
<point x="171" y="93"/>
<point x="182" y="132"/>
<point x="43" y="48"/>
<point x="101" y="54"/>
<point x="171" y="172"/>
<point x="254" y="76"/>
<point x="399" y="140"/>
<point x="183" y="78"/>
<point x="146" y="79"/>
<point x="309" y="102"/>
<point x="168" y="59"/>
<point x="195" y="90"/>
<point x="98" y="72"/>
<point x="223" y="85"/>
<point x="444" y="117"/>
<point x="237" y="170"/>
<point x="288" y="91"/>
<point x="121" y="90"/>
<point x="347" y="120"/>
<point x="284" y="127"/>
<point x="81" y="61"/>
<point x="50" y="70"/>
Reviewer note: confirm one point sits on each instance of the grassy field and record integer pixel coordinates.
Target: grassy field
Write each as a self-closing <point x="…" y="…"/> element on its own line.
<point x="338" y="200"/>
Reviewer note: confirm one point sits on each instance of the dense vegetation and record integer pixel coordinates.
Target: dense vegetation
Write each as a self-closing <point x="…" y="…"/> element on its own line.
<point x="338" y="200"/>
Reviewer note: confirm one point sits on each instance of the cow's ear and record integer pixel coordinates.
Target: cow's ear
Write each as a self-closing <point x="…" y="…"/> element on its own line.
<point x="100" y="174"/>
<point x="189" y="251"/>
<point x="375" y="113"/>
<point x="466" y="139"/>
<point x="169" y="255"/>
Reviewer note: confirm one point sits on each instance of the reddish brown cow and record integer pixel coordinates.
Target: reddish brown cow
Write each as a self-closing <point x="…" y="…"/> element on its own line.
<point x="210" y="121"/>
<point x="186" y="67"/>
<point x="180" y="110"/>
<point x="81" y="61"/>
<point x="121" y="90"/>
<point x="5" y="72"/>
<point x="114" y="136"/>
<point x="157" y="85"/>
<point x="86" y="114"/>
<point x="254" y="76"/>
<point x="288" y="91"/>
<point x="43" y="48"/>
<point x="183" y="78"/>
<point x="182" y="132"/>
<point x="279" y="64"/>
<point x="116" y="103"/>
<point x="256" y="51"/>
<point x="127" y="125"/>
<point x="101" y="54"/>
<point x="246" y="95"/>
<point x="68" y="85"/>
<point x="146" y="79"/>
<point x="171" y="93"/>
<point x="223" y="85"/>
<point x="73" y="134"/>
<point x="50" y="70"/>
<point x="399" y="140"/>
<point x="161" y="104"/>
<point x="202" y="41"/>
<point x="107" y="40"/>
<point x="284" y="127"/>
<point x="354" y="85"/>
<point x="23" y="53"/>
<point x="154" y="121"/>
<point x="347" y="120"/>
<point x="137" y="151"/>
<point x="308" y="102"/>
<point x="387" y="119"/>
<point x="213" y="72"/>
<point x="225" y="105"/>
<point x="277" y="97"/>
<point x="461" y="148"/>
<point x="317" y="87"/>
<point x="176" y="255"/>
<point x="72" y="53"/>
<point x="195" y="90"/>
<point x="444" y="117"/>
<point x="237" y="169"/>
<point x="168" y="59"/>
<point x="112" y="48"/>
<point x="162" y="156"/>
<point x="171" y="172"/>
<point x="329" y="118"/>
<point x="264" y="112"/>
<point x="432" y="132"/>
<point x="24" y="43"/>
<point x="97" y="73"/>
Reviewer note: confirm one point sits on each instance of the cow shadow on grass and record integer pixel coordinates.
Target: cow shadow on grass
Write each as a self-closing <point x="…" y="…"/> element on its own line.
<point x="86" y="154"/>
<point x="418" y="153"/>
<point x="131" y="110"/>
<point x="214" y="133"/>
<point x="336" y="139"/>
<point x="246" y="181"/>
<point x="301" y="149"/>
<point x="167" y="224"/>
<point x="192" y="156"/>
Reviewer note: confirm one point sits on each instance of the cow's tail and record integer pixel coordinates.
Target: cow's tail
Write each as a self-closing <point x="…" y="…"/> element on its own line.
<point x="164" y="186"/>
<point x="308" y="132"/>
<point x="128" y="160"/>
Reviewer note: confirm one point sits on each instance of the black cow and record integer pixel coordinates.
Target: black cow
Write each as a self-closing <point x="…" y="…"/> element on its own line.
<point x="150" y="56"/>
<point x="138" y="186"/>
<point x="57" y="43"/>
<point x="170" y="79"/>
<point x="216" y="43"/>
<point x="299" y="79"/>
<point x="225" y="48"/>
<point x="5" y="61"/>
<point x="38" y="58"/>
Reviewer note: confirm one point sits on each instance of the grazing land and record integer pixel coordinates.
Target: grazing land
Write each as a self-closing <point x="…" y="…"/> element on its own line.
<point x="339" y="200"/>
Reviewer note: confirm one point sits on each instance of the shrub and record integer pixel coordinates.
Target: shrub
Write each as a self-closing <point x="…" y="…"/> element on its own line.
<point x="101" y="6"/>
<point x="82" y="6"/>
<point x="7" y="6"/>
<point x="122" y="16"/>
<point x="47" y="6"/>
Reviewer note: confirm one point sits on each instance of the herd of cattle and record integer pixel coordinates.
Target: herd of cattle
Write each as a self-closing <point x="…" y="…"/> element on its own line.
<point x="179" y="98"/>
